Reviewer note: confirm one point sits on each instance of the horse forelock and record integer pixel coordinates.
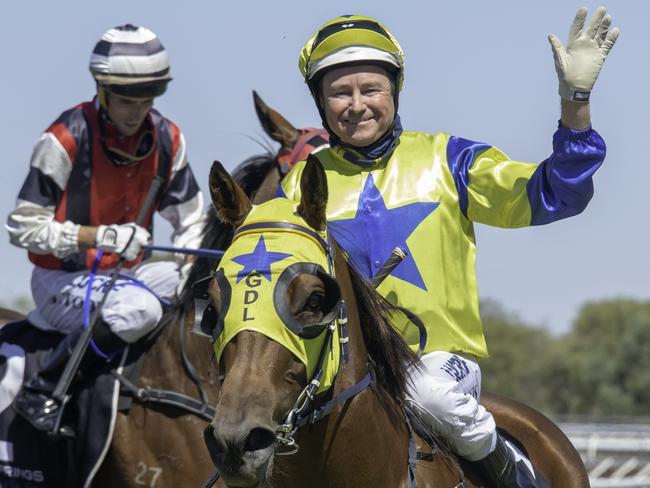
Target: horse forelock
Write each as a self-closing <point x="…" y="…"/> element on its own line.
<point x="250" y="174"/>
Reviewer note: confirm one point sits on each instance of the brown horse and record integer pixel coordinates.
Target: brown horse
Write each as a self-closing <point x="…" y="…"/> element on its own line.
<point x="364" y="441"/>
<point x="154" y="444"/>
<point x="263" y="380"/>
<point x="159" y="445"/>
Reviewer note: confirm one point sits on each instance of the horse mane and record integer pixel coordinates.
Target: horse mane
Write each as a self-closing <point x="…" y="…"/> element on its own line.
<point x="250" y="174"/>
<point x="389" y="354"/>
<point x="216" y="235"/>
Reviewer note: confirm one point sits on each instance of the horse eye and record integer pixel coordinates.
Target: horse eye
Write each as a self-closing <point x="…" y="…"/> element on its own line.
<point x="315" y="302"/>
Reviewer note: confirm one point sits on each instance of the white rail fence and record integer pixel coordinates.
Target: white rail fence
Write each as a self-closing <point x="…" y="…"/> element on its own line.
<point x="616" y="455"/>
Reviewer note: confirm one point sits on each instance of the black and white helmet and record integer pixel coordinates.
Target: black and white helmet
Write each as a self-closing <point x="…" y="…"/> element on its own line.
<point x="131" y="61"/>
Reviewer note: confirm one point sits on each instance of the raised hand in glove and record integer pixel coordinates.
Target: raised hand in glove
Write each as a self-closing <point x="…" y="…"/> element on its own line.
<point x="579" y="63"/>
<point x="124" y="239"/>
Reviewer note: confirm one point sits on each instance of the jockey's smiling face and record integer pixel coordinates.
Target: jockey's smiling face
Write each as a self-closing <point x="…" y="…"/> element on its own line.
<point x="127" y="113"/>
<point x="358" y="103"/>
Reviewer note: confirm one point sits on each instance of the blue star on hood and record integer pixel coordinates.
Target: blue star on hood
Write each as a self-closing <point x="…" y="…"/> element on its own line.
<point x="373" y="233"/>
<point x="259" y="260"/>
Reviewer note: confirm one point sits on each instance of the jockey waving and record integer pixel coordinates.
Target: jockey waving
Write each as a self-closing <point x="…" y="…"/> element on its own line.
<point x="89" y="175"/>
<point x="423" y="192"/>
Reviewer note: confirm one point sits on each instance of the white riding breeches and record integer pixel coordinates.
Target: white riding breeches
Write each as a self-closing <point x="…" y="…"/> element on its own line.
<point x="130" y="310"/>
<point x="445" y="395"/>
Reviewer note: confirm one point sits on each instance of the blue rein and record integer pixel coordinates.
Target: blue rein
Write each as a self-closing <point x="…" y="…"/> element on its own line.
<point x="201" y="252"/>
<point x="87" y="307"/>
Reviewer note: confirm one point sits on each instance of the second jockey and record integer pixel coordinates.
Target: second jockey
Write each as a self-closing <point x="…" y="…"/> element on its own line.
<point x="89" y="175"/>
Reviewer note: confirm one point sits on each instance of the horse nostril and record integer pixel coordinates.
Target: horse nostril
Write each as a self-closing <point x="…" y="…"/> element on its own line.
<point x="215" y="448"/>
<point x="259" y="438"/>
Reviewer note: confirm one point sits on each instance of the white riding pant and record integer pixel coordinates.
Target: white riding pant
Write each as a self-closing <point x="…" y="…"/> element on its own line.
<point x="445" y="395"/>
<point x="130" y="310"/>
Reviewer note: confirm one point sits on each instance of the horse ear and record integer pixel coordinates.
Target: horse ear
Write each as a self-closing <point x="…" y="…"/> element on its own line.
<point x="275" y="125"/>
<point x="229" y="200"/>
<point x="313" y="190"/>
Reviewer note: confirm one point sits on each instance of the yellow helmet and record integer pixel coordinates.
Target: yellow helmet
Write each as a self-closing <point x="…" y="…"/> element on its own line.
<point x="351" y="39"/>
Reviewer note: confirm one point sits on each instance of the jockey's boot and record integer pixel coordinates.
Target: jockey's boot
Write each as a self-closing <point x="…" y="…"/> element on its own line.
<point x="501" y="469"/>
<point x="35" y="401"/>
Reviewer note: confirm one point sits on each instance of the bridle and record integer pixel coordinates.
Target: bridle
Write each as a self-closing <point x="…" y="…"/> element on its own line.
<point x="308" y="141"/>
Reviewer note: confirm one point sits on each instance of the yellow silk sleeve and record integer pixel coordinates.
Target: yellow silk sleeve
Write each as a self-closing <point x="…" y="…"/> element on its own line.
<point x="497" y="193"/>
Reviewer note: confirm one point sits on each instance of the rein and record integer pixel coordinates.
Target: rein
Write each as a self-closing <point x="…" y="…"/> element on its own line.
<point x="301" y="413"/>
<point x="200" y="408"/>
<point x="201" y="252"/>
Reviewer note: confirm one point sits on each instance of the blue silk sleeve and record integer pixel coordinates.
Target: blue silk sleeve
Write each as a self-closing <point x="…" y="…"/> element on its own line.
<point x="495" y="190"/>
<point x="562" y="185"/>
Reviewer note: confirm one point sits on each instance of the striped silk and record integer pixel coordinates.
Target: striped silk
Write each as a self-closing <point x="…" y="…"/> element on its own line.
<point x="129" y="54"/>
<point x="71" y="182"/>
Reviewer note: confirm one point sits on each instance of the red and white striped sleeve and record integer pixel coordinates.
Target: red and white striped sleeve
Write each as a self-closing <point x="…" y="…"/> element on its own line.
<point x="33" y="225"/>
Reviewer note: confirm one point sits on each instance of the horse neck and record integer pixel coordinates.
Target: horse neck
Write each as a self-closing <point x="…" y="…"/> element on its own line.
<point x="356" y="367"/>
<point x="366" y="422"/>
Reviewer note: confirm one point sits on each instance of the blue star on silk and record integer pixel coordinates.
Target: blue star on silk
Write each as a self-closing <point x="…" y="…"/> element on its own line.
<point x="259" y="260"/>
<point x="373" y="233"/>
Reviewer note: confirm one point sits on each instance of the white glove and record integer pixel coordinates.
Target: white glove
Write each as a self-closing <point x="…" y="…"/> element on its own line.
<point x="124" y="239"/>
<point x="578" y="65"/>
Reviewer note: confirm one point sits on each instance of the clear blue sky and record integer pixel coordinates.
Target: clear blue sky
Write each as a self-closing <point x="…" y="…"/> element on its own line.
<point x="480" y="70"/>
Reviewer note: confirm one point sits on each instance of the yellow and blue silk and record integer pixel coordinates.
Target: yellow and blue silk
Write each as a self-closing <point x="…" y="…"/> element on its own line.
<point x="425" y="197"/>
<point x="252" y="266"/>
<point x="346" y="31"/>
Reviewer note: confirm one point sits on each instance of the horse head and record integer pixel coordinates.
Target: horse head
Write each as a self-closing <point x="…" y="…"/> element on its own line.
<point x="267" y="357"/>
